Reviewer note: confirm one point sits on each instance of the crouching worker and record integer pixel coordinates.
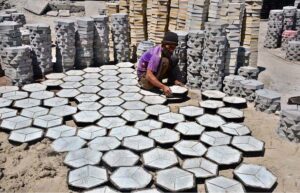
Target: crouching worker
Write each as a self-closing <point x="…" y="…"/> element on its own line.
<point x="157" y="64"/>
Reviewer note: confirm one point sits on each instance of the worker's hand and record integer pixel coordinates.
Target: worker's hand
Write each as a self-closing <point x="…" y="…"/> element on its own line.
<point x="167" y="91"/>
<point x="178" y="83"/>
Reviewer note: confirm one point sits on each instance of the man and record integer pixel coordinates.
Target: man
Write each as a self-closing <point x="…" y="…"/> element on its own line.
<point x="157" y="64"/>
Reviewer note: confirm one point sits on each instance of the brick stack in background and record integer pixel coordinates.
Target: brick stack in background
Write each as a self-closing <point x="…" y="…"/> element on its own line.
<point x="143" y="47"/>
<point x="274" y="31"/>
<point x="182" y="14"/>
<point x="10" y="35"/>
<point x="215" y="8"/>
<point x="197" y="14"/>
<point x="19" y="18"/>
<point x="158" y="21"/>
<point x="149" y="15"/>
<point x="232" y="85"/>
<point x="297" y="25"/>
<point x="289" y="17"/>
<point x="124" y="6"/>
<point x="252" y="24"/>
<point x="267" y="101"/>
<point x="249" y="72"/>
<point x="5" y="17"/>
<point x="121" y="37"/>
<point x="173" y="15"/>
<point x="287" y="36"/>
<point x="65" y="45"/>
<point x="40" y="41"/>
<point x="101" y="40"/>
<point x="214" y="55"/>
<point x="293" y="51"/>
<point x="25" y="36"/>
<point x="194" y="56"/>
<point x="180" y="54"/>
<point x="17" y="64"/>
<point x="289" y="124"/>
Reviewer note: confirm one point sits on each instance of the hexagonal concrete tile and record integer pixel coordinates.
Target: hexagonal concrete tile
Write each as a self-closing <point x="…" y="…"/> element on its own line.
<point x="75" y="73"/>
<point x="113" y="101"/>
<point x="52" y="83"/>
<point x="200" y="167"/>
<point x="105" y="189"/>
<point x="134" y="105"/>
<point x="73" y="78"/>
<point x="131" y="96"/>
<point x="15" y="95"/>
<point x="47" y="121"/>
<point x="91" y="132"/>
<point x="179" y="90"/>
<point x="123" y="131"/>
<point x="252" y="84"/>
<point x="107" y="93"/>
<point x="26" y="103"/>
<point x="87" y="117"/>
<point x="212" y="121"/>
<point x="215" y="138"/>
<point x="112" y="111"/>
<point x="82" y="157"/>
<point x="42" y="95"/>
<point x="26" y="135"/>
<point x="109" y="67"/>
<point x="107" y="78"/>
<point x="155" y="100"/>
<point x="224" y="185"/>
<point x="55" y="102"/>
<point x="126" y="70"/>
<point x="148" y="125"/>
<point x="191" y="111"/>
<point x="110" y="85"/>
<point x="130" y="178"/>
<point x="268" y="94"/>
<point x="7" y="113"/>
<point x="87" y="177"/>
<point x="92" y="70"/>
<point x="134" y="115"/>
<point x="190" y="148"/>
<point x="65" y="144"/>
<point x="63" y="111"/>
<point x="55" y="76"/>
<point x="91" y="82"/>
<point x="120" y="158"/>
<point x="5" y="89"/>
<point x="127" y="76"/>
<point x="149" y="93"/>
<point x="128" y="89"/>
<point x="89" y="89"/>
<point x="171" y="118"/>
<point x="104" y="143"/>
<point x="164" y="136"/>
<point x="233" y="100"/>
<point x="125" y="65"/>
<point x="15" y="123"/>
<point x="230" y="113"/>
<point x="211" y="104"/>
<point x="87" y="98"/>
<point x="129" y="82"/>
<point x="91" y="76"/>
<point x="157" y="110"/>
<point x="247" y="144"/>
<point x="89" y="106"/>
<point x="213" y="94"/>
<point x="235" y="129"/>
<point x="224" y="155"/>
<point x="61" y="131"/>
<point x="159" y="158"/>
<point x="189" y="129"/>
<point x="68" y="93"/>
<point x="138" y="143"/>
<point x="111" y="122"/>
<point x="175" y="179"/>
<point x="5" y="102"/>
<point x="34" y="87"/>
<point x="34" y="112"/>
<point x="109" y="72"/>
<point x="70" y="85"/>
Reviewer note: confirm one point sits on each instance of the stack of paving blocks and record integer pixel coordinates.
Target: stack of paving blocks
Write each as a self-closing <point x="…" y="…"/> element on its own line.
<point x="232" y="85"/>
<point x="297" y="25"/>
<point x="84" y="42"/>
<point x="149" y="15"/>
<point x="121" y="37"/>
<point x="102" y="11"/>
<point x="293" y="51"/>
<point x="214" y="55"/>
<point x="5" y="17"/>
<point x="194" y="57"/>
<point x="197" y="14"/>
<point x="124" y="6"/>
<point x="10" y="35"/>
<point x="289" y="17"/>
<point x="249" y="72"/>
<point x="19" y="18"/>
<point x="173" y="15"/>
<point x="143" y="47"/>
<point x="112" y="8"/>
<point x="297" y="3"/>
<point x="180" y="54"/>
<point x="274" y="31"/>
<point x="182" y="14"/>
<point x="289" y="124"/>
<point x="137" y="22"/>
<point x="248" y="89"/>
<point x="65" y="45"/>
<point x="25" y="36"/>
<point x="40" y="41"/>
<point x="101" y="40"/>
<point x="158" y="20"/>
<point x="250" y="40"/>
<point x="17" y="64"/>
<point x="215" y="7"/>
<point x="287" y="36"/>
<point x="267" y="101"/>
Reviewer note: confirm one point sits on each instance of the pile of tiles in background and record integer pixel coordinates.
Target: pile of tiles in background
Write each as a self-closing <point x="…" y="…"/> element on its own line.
<point x="143" y="47"/>
<point x="124" y="6"/>
<point x="111" y="8"/>
<point x="174" y="9"/>
<point x="248" y="89"/>
<point x="274" y="31"/>
<point x="13" y="15"/>
<point x="215" y="8"/>
<point x="40" y="42"/>
<point x="180" y="54"/>
<point x="287" y="36"/>
<point x="293" y="51"/>
<point x="249" y="72"/>
<point x="232" y="85"/>
<point x="289" y="17"/>
<point x="10" y="35"/>
<point x="194" y="57"/>
<point x="101" y="40"/>
<point x="65" y="45"/>
<point x="297" y="25"/>
<point x="25" y="36"/>
<point x="121" y="37"/>
<point x="5" y="17"/>
<point x="214" y="55"/>
<point x="178" y="15"/>
<point x="197" y="14"/>
<point x="267" y="101"/>
<point x="19" y="18"/>
<point x="84" y="42"/>
<point x="17" y="64"/>
<point x="289" y="124"/>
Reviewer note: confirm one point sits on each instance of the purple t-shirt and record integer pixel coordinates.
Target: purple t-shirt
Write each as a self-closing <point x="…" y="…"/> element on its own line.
<point x="149" y="60"/>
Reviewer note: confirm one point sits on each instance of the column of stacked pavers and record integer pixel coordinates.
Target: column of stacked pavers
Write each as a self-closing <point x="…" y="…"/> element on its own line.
<point x="249" y="72"/>
<point x="65" y="45"/>
<point x="143" y="47"/>
<point x="197" y="14"/>
<point x="289" y="124"/>
<point x="182" y="14"/>
<point x="40" y="41"/>
<point x="214" y="55"/>
<point x="112" y="8"/>
<point x="194" y="57"/>
<point x="248" y="89"/>
<point x="124" y="6"/>
<point x="181" y="54"/>
<point x="232" y="85"/>
<point x="297" y="25"/>
<point x="214" y="12"/>
<point x="101" y="40"/>
<point x="250" y="40"/>
<point x="19" y="18"/>
<point x="289" y="17"/>
<point x="234" y="18"/>
<point x="287" y="36"/>
<point x="84" y="42"/>
<point x="173" y="15"/>
<point x="10" y="35"/>
<point x="267" y="101"/>
<point x="274" y="31"/>
<point x="293" y="51"/>
<point x="5" y="17"/>
<point x="158" y="20"/>
<point x="17" y="64"/>
<point x="121" y="37"/>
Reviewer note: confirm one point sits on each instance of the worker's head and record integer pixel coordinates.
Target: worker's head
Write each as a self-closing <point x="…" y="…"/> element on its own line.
<point x="170" y="42"/>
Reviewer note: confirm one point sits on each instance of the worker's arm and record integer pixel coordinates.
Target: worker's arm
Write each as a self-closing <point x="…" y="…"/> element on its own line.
<point x="155" y="82"/>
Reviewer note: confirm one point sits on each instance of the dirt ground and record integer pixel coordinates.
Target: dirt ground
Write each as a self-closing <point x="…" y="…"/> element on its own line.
<point x="36" y="168"/>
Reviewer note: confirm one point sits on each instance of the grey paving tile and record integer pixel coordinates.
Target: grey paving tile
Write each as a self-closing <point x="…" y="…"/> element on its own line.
<point x="212" y="121"/>
<point x="55" y="102"/>
<point x="61" y="131"/>
<point x="82" y="157"/>
<point x="111" y="111"/>
<point x="134" y="115"/>
<point x="73" y="78"/>
<point x="5" y="102"/>
<point x="47" y="121"/>
<point x="42" y="95"/>
<point x="5" y="89"/>
<point x="87" y="117"/>
<point x="164" y="136"/>
<point x="89" y="106"/>
<point x="15" y="123"/>
<point x="224" y="155"/>
<point x="112" y="101"/>
<point x="65" y="144"/>
<point x="189" y="128"/>
<point x="89" y="89"/>
<point x="120" y="158"/>
<point x="91" y="132"/>
<point x="111" y="122"/>
<point x="107" y="93"/>
<point x="148" y="125"/>
<point x="123" y="131"/>
<point x="247" y="144"/>
<point x="134" y="105"/>
<point x="7" y="113"/>
<point x="68" y="93"/>
<point x="215" y="138"/>
<point x="200" y="167"/>
<point x="131" y="96"/>
<point x="104" y="144"/>
<point x="127" y="89"/>
<point x="212" y="104"/>
<point x="155" y="100"/>
<point x="190" y="148"/>
<point x="63" y="111"/>
<point x="191" y="111"/>
<point x="223" y="185"/>
<point x="235" y="129"/>
<point x="70" y="85"/>
<point x="15" y="95"/>
<point x="34" y="87"/>
<point x="27" y="103"/>
<point x="171" y="118"/>
<point x="91" y="82"/>
<point x="34" y="112"/>
<point x="138" y="143"/>
<point x="87" y="98"/>
<point x="159" y="158"/>
<point x="26" y="135"/>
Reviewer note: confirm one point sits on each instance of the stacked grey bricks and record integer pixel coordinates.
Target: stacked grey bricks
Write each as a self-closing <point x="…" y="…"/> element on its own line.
<point x="287" y="36"/>
<point x="197" y="14"/>
<point x="232" y="85"/>
<point x="5" y="17"/>
<point x="215" y="8"/>
<point x="180" y="54"/>
<point x="101" y="40"/>
<point x="143" y="47"/>
<point x="267" y="101"/>
<point x="275" y="25"/>
<point x="289" y="17"/>
<point x="65" y="45"/>
<point x="19" y="18"/>
<point x="84" y="43"/>
<point x="293" y="51"/>
<point x="214" y="55"/>
<point x="249" y="72"/>
<point x="289" y="124"/>
<point x="194" y="57"/>
<point x="10" y="36"/>
<point x="40" y="41"/>
<point x="121" y="37"/>
<point x="17" y="64"/>
<point x="248" y="89"/>
<point x="25" y="36"/>
<point x="243" y="58"/>
<point x="297" y="25"/>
